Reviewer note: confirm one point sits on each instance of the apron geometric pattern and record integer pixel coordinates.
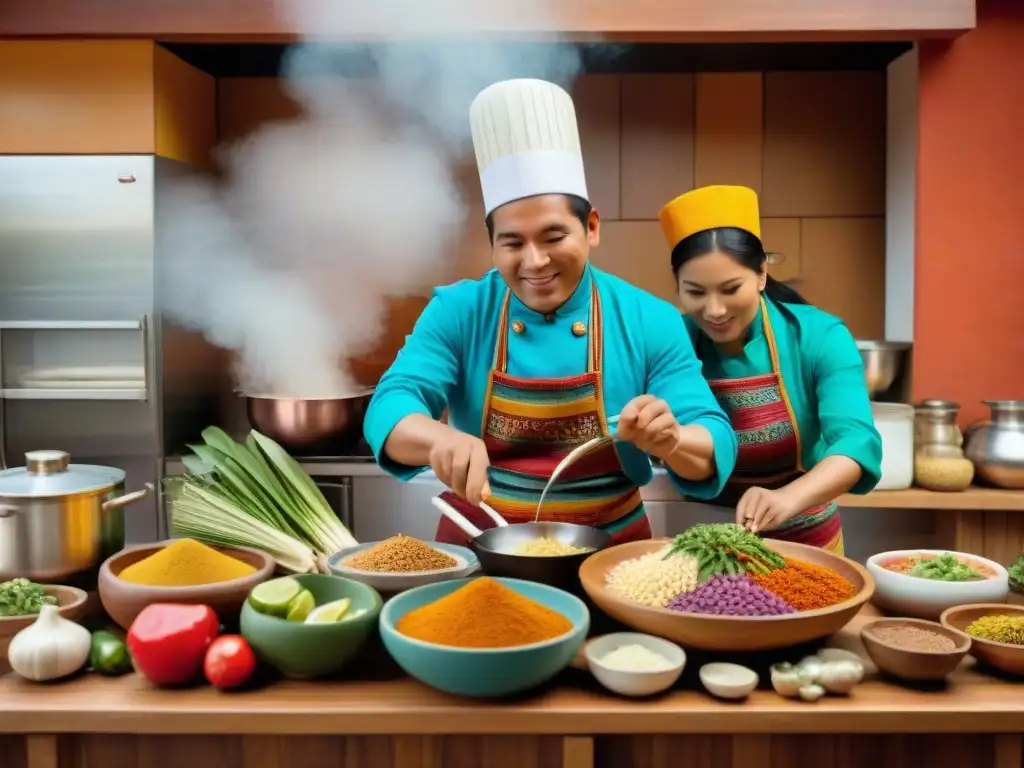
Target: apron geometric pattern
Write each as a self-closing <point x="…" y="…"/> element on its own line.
<point x="529" y="425"/>
<point x="769" y="453"/>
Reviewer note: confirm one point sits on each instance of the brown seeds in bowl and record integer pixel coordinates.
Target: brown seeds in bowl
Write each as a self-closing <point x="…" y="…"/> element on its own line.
<point x="401" y="554"/>
<point x="914" y="639"/>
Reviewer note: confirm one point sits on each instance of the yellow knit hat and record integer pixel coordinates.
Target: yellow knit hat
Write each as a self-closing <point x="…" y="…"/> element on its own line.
<point x="710" y="208"/>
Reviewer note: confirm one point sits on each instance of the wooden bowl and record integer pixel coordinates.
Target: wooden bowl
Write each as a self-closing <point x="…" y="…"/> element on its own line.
<point x="71" y="605"/>
<point x="727" y="633"/>
<point x="1002" y="656"/>
<point x="911" y="664"/>
<point x="123" y="600"/>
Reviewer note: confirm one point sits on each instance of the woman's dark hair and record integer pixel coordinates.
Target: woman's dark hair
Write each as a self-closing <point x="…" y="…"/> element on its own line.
<point x="743" y="247"/>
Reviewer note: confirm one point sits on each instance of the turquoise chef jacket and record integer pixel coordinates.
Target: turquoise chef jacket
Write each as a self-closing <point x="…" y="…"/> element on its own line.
<point x="447" y="359"/>
<point x="824" y="377"/>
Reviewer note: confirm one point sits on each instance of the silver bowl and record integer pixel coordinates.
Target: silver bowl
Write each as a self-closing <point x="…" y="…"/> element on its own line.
<point x="296" y="422"/>
<point x="883" y="362"/>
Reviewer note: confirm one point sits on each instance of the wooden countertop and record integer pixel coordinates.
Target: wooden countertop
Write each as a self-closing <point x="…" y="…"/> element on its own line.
<point x="973" y="702"/>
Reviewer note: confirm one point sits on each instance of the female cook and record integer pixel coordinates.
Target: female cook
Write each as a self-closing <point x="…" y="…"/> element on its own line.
<point x="532" y="359"/>
<point x="788" y="374"/>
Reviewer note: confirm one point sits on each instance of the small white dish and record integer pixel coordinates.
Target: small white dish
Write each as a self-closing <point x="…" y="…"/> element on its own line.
<point x="728" y="681"/>
<point x="633" y="683"/>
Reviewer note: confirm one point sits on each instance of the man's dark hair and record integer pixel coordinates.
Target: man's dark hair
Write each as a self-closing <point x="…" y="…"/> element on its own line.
<point x="580" y="209"/>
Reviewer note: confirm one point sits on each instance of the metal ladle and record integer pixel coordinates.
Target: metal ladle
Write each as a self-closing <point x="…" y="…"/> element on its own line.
<point x="572" y="457"/>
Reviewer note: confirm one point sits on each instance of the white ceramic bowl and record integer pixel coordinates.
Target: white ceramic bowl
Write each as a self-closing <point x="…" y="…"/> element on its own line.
<point x="927" y="599"/>
<point x="728" y="681"/>
<point x="634" y="683"/>
<point x="393" y="583"/>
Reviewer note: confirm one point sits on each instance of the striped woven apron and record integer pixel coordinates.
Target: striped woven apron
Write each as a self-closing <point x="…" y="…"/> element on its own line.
<point x="770" y="450"/>
<point x="528" y="426"/>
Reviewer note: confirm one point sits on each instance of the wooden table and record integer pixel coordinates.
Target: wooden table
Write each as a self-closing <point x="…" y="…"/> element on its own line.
<point x="384" y="720"/>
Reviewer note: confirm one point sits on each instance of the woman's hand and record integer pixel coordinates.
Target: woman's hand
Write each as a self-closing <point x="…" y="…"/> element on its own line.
<point x="648" y="423"/>
<point x="763" y="510"/>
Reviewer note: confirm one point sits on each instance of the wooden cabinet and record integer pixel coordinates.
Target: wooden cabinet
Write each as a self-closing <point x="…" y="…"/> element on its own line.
<point x="728" y="129"/>
<point x="657" y="142"/>
<point x="824" y="144"/>
<point x="102" y="97"/>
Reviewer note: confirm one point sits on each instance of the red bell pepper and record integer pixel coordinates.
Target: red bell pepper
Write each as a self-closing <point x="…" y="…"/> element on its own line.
<point x="168" y="641"/>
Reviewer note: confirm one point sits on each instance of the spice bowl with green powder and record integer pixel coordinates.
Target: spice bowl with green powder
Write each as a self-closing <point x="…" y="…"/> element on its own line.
<point x="996" y="631"/>
<point x="180" y="571"/>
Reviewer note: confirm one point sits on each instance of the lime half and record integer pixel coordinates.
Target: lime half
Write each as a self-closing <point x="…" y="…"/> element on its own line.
<point x="275" y="596"/>
<point x="301" y="606"/>
<point x="329" y="612"/>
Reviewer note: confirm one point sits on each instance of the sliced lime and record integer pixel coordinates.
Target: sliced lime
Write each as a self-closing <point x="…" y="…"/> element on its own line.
<point x="329" y="612"/>
<point x="301" y="606"/>
<point x="354" y="614"/>
<point x="274" y="597"/>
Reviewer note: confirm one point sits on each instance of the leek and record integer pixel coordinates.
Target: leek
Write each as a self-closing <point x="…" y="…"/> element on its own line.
<point x="255" y="494"/>
<point x="207" y="514"/>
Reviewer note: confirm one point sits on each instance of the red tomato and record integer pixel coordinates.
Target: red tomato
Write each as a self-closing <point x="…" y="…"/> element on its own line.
<point x="229" y="662"/>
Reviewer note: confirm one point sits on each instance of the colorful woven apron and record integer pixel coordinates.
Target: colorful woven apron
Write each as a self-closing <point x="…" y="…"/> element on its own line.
<point x="529" y="425"/>
<point x="770" y="450"/>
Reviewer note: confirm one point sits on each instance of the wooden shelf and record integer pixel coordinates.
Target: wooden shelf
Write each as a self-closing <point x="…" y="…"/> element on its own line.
<point x="639" y="21"/>
<point x="917" y="498"/>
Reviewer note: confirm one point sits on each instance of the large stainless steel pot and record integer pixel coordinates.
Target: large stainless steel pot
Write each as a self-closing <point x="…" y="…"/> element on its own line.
<point x="297" y="422"/>
<point x="996" y="446"/>
<point x="58" y="519"/>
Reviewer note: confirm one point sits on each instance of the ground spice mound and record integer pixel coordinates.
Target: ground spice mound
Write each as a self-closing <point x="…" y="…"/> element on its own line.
<point x="483" y="614"/>
<point x="401" y="554"/>
<point x="806" y="586"/>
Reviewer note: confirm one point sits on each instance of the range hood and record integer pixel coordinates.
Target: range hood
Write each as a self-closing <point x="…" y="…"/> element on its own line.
<point x="621" y="20"/>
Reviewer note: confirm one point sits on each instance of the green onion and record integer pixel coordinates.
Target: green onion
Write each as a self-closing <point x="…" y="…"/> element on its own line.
<point x="255" y="494"/>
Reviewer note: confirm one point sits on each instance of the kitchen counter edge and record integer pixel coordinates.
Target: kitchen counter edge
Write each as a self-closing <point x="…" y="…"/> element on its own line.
<point x="972" y="704"/>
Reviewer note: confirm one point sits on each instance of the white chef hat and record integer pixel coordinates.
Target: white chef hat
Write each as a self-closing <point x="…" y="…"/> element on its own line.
<point x="526" y="142"/>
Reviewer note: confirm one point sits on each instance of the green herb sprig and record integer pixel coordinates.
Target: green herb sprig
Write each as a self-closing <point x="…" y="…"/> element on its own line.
<point x="725" y="549"/>
<point x="1017" y="574"/>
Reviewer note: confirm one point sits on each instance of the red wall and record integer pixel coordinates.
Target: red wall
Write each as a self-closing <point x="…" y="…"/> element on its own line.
<point x="969" y="300"/>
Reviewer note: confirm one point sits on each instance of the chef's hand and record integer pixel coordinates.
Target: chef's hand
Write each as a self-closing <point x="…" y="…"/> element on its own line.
<point x="460" y="461"/>
<point x="763" y="510"/>
<point x="648" y="423"/>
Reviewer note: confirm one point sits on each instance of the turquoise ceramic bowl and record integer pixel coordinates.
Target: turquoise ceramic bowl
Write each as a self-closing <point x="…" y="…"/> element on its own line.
<point x="486" y="672"/>
<point x="300" y="650"/>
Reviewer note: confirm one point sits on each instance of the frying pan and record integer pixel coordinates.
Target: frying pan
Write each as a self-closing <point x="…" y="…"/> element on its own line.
<point x="494" y="548"/>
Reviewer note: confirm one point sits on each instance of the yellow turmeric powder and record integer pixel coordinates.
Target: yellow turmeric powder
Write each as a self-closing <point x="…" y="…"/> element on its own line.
<point x="185" y="563"/>
<point x="483" y="614"/>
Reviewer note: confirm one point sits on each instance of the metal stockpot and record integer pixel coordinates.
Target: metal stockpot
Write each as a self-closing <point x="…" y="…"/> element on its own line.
<point x="58" y="519"/>
<point x="297" y="422"/>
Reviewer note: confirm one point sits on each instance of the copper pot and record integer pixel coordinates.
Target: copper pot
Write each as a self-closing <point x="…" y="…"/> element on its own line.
<point x="296" y="422"/>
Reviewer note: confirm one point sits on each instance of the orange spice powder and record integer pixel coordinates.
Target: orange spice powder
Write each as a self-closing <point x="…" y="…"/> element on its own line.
<point x="806" y="586"/>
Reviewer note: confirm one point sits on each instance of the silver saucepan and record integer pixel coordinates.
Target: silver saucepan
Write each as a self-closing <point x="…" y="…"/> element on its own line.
<point x="295" y="422"/>
<point x="58" y="519"/>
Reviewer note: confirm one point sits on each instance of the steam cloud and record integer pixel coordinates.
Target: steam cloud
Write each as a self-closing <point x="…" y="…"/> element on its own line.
<point x="287" y="258"/>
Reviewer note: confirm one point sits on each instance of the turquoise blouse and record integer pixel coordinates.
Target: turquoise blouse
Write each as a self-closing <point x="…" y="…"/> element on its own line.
<point x="824" y="377"/>
<point x="447" y="359"/>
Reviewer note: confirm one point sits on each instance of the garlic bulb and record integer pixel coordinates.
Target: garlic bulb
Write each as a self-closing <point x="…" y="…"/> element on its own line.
<point x="840" y="676"/>
<point x="50" y="648"/>
<point x="785" y="680"/>
<point x="811" y="692"/>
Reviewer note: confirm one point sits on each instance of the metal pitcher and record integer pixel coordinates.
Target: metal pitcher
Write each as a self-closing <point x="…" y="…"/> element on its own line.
<point x="996" y="446"/>
<point x="58" y="519"/>
<point x="935" y="427"/>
